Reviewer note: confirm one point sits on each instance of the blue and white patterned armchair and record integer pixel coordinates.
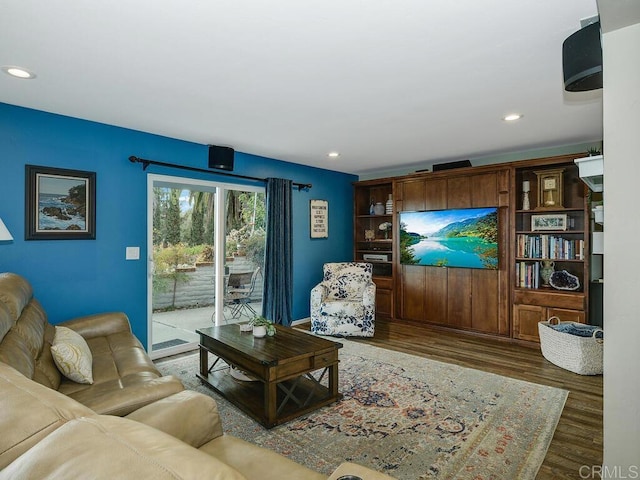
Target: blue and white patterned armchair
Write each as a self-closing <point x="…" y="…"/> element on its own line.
<point x="344" y="303"/>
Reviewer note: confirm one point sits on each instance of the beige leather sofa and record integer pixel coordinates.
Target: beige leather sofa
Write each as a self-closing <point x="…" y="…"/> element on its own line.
<point x="47" y="435"/>
<point x="124" y="377"/>
<point x="131" y="423"/>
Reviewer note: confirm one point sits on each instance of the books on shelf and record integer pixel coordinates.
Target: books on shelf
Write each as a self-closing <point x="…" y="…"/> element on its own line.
<point x="549" y="247"/>
<point x="528" y="274"/>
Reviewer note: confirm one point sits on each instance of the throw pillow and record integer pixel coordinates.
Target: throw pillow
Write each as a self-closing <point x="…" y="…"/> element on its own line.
<point x="72" y="355"/>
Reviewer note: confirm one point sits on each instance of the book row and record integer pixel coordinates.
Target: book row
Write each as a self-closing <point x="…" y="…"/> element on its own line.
<point x="528" y="274"/>
<point x="549" y="246"/>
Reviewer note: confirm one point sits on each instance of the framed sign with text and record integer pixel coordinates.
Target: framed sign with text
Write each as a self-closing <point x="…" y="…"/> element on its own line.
<point x="319" y="215"/>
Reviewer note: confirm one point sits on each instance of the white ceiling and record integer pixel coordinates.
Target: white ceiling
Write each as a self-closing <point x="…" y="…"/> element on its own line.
<point x="386" y="83"/>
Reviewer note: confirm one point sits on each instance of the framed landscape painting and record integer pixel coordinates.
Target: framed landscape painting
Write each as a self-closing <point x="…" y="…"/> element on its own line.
<point x="60" y="204"/>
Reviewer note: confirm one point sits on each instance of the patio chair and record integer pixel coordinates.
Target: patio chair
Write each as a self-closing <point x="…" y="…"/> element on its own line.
<point x="237" y="299"/>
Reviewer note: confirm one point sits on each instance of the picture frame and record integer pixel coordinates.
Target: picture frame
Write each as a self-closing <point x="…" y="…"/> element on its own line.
<point x="60" y="204"/>
<point x="319" y="218"/>
<point x="550" y="221"/>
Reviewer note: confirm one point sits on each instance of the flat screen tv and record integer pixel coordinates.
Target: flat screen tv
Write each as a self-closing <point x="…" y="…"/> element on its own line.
<point x="466" y="237"/>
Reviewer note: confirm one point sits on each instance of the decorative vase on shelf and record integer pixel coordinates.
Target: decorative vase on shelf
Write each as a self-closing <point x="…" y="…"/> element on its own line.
<point x="385" y="227"/>
<point x="378" y="209"/>
<point x="371" y="209"/>
<point x="389" y="205"/>
<point x="546" y="271"/>
<point x="526" y="188"/>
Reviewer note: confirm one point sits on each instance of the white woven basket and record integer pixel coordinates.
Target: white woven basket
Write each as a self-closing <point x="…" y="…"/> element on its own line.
<point x="581" y="355"/>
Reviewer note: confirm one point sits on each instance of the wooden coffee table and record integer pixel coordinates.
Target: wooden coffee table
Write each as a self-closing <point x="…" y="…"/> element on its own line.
<point x="289" y="369"/>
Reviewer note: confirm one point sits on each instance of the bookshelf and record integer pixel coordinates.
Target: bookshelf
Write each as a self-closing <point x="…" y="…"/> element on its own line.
<point x="373" y="244"/>
<point x="551" y="233"/>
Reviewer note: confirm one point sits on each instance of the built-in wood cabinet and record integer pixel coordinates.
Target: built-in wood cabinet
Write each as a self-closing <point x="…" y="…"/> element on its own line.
<point x="526" y="318"/>
<point x="372" y="243"/>
<point x="551" y="227"/>
<point x="496" y="302"/>
<point x="463" y="298"/>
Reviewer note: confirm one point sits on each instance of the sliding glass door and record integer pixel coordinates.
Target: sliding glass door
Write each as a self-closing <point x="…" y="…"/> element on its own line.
<point x="206" y="248"/>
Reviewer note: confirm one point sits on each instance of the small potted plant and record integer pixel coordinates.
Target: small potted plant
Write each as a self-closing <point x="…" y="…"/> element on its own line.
<point x="262" y="326"/>
<point x="593" y="151"/>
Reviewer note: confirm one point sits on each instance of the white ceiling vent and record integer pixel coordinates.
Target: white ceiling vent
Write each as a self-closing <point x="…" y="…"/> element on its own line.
<point x="592" y="171"/>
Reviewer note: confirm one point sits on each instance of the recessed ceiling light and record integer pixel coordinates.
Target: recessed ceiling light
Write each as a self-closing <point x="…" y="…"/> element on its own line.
<point x="512" y="117"/>
<point x="333" y="154"/>
<point x="18" y="72"/>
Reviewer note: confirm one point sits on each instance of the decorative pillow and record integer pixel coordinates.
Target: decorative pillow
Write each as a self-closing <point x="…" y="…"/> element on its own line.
<point x="347" y="286"/>
<point x="346" y="280"/>
<point x="342" y="309"/>
<point x="72" y="355"/>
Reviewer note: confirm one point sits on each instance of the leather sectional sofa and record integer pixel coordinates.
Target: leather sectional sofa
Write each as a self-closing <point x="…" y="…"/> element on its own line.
<point x="124" y="377"/>
<point x="47" y="435"/>
<point x="131" y="423"/>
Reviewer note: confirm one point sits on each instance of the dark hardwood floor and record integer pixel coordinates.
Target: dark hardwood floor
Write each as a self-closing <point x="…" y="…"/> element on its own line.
<point x="578" y="437"/>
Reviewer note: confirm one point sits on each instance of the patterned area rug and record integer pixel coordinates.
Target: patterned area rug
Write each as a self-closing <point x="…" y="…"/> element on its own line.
<point x="409" y="417"/>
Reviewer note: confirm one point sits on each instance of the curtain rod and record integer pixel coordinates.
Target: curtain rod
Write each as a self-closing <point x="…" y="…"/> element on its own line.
<point x="145" y="163"/>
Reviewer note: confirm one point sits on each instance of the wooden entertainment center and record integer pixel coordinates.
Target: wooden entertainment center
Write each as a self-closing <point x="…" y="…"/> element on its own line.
<point x="551" y="225"/>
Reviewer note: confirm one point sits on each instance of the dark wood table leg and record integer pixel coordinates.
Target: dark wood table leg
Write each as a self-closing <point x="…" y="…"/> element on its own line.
<point x="204" y="361"/>
<point x="333" y="380"/>
<point x="270" y="402"/>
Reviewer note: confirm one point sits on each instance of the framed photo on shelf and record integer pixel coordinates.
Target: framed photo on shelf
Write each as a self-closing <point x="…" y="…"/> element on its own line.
<point x="319" y="218"/>
<point x="551" y="221"/>
<point x="60" y="204"/>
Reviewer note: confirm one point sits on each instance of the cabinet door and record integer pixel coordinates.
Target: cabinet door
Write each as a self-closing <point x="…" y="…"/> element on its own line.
<point x="435" y="309"/>
<point x="566" y="315"/>
<point x="384" y="296"/>
<point x="458" y="192"/>
<point x="412" y="194"/>
<point x="485" y="312"/>
<point x="525" y="321"/>
<point x="412" y="292"/>
<point x="435" y="194"/>
<point x="459" y="294"/>
<point x="484" y="190"/>
<point x="384" y="303"/>
<point x="526" y="318"/>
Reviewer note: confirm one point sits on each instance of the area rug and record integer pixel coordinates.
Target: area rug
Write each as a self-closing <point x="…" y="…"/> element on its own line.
<point x="409" y="417"/>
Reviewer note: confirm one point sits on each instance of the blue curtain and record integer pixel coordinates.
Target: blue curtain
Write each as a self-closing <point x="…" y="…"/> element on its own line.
<point x="278" y="273"/>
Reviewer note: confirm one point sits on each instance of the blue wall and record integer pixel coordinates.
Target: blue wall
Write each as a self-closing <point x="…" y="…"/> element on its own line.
<point x="79" y="277"/>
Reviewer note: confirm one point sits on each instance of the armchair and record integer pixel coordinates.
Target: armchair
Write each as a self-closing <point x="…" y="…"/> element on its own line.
<point x="344" y="303"/>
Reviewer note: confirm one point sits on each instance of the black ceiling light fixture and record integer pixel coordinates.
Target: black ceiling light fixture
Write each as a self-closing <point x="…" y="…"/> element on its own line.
<point x="582" y="58"/>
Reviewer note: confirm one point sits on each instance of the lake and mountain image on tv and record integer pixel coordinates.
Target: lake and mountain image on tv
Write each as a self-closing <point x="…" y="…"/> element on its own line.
<point x="465" y="238"/>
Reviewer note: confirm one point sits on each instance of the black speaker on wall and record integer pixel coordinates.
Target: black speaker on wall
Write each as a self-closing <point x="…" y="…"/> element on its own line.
<point x="221" y="157"/>
<point x="582" y="59"/>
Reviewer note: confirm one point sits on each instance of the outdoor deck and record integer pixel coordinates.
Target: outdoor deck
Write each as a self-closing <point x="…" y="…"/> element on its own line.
<point x="178" y="327"/>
